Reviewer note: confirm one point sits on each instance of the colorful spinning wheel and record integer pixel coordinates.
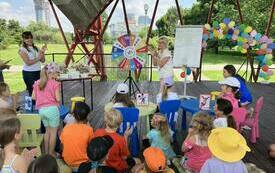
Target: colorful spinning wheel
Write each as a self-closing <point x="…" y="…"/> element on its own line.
<point x="132" y="50"/>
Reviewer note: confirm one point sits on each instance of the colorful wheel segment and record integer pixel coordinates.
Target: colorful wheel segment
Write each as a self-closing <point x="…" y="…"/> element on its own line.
<point x="132" y="51"/>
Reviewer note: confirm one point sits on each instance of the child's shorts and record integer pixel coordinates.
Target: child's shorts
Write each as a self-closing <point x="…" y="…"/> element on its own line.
<point x="50" y="116"/>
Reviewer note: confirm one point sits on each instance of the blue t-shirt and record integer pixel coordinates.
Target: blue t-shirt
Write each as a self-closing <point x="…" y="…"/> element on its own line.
<point x="215" y="165"/>
<point x="246" y="97"/>
<point x="157" y="141"/>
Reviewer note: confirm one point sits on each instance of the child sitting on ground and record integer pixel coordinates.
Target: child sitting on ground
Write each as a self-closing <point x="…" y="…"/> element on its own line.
<point x="195" y="146"/>
<point x="121" y="97"/>
<point x="230" y="90"/>
<point x="44" y="164"/>
<point x="161" y="135"/>
<point x="7" y="101"/>
<point x="47" y="96"/>
<point x="97" y="152"/>
<point x="228" y="147"/>
<point x="76" y="136"/>
<point x="119" y="155"/>
<point x="167" y="92"/>
<point x="10" y="134"/>
<point x="222" y="109"/>
<point x="155" y="161"/>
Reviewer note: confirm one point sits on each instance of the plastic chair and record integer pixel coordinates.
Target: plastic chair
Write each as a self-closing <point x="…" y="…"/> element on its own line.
<point x="130" y="119"/>
<point x="30" y="124"/>
<point x="239" y="115"/>
<point x="170" y="108"/>
<point x="63" y="111"/>
<point x="253" y="123"/>
<point x="76" y="99"/>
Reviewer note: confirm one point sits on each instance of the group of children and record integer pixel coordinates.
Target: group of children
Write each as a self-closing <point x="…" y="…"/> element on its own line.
<point x="211" y="146"/>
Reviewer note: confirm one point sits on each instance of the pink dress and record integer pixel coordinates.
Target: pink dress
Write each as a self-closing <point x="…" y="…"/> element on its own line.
<point x="196" y="154"/>
<point x="46" y="97"/>
<point x="230" y="97"/>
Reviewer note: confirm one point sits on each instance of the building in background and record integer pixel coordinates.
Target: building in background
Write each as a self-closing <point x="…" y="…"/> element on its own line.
<point x="144" y="20"/>
<point x="42" y="11"/>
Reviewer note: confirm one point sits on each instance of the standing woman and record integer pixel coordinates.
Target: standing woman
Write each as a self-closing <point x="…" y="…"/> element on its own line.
<point x="163" y="59"/>
<point x="32" y="57"/>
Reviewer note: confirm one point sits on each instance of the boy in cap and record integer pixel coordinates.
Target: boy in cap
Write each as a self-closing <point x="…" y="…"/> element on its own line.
<point x="228" y="147"/>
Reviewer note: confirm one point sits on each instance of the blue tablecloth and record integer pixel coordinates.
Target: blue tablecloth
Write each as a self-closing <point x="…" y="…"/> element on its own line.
<point x="192" y="106"/>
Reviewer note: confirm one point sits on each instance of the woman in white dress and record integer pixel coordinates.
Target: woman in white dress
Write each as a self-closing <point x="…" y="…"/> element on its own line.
<point x="32" y="57"/>
<point x="163" y="59"/>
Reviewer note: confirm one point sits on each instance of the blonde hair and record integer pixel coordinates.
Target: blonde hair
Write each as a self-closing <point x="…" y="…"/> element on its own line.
<point x="164" y="92"/>
<point x="160" y="121"/>
<point x="164" y="39"/>
<point x="43" y="78"/>
<point x="113" y="118"/>
<point x="3" y="87"/>
<point x="202" y="123"/>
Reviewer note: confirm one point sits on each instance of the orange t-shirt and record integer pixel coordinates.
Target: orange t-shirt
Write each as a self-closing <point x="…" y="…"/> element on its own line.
<point x="75" y="139"/>
<point x="119" y="151"/>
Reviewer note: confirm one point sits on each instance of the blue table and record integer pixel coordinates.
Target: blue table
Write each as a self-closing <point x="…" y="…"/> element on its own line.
<point x="192" y="106"/>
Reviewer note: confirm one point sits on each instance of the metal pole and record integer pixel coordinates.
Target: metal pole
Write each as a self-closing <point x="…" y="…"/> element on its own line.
<point x="270" y="19"/>
<point x="125" y="17"/>
<point x="239" y="10"/>
<point x="152" y="22"/>
<point x="179" y="13"/>
<point x="210" y="11"/>
<point x="60" y="27"/>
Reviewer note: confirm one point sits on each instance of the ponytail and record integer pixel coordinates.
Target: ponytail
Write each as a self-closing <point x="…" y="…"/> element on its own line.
<point x="231" y="122"/>
<point x="236" y="92"/>
<point x="164" y="93"/>
<point x="43" y="78"/>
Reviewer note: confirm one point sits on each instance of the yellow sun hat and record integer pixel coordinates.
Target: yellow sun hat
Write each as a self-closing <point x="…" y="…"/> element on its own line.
<point x="227" y="144"/>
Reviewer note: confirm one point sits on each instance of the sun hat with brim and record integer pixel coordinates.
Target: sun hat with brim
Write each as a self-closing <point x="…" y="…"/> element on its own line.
<point x="227" y="144"/>
<point x="155" y="159"/>
<point x="230" y="81"/>
<point x="122" y="88"/>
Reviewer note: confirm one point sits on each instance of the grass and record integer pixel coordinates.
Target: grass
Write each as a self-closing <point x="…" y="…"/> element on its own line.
<point x="15" y="81"/>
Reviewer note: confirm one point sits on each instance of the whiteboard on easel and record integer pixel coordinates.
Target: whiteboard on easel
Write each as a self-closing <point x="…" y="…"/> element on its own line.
<point x="188" y="45"/>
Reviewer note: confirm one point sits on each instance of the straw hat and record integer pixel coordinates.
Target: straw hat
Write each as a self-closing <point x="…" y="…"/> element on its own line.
<point x="227" y="144"/>
<point x="155" y="159"/>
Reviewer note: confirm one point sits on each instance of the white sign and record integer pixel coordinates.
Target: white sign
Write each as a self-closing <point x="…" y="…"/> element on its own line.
<point x="187" y="49"/>
<point x="204" y="102"/>
<point x="142" y="99"/>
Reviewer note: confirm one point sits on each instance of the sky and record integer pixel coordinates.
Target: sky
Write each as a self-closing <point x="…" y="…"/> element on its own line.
<point x="23" y="10"/>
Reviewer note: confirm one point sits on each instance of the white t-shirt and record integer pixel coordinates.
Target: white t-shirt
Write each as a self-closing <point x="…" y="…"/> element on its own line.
<point x="32" y="54"/>
<point x="167" y="69"/>
<point x="170" y="96"/>
<point x="220" y="122"/>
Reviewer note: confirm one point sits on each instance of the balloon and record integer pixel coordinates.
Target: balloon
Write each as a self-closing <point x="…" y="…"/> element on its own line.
<point x="230" y="31"/>
<point x="269" y="72"/>
<point x="216" y="24"/>
<point x="263" y="39"/>
<point x="268" y="56"/>
<point x="269" y="51"/>
<point x="182" y="74"/>
<point x="240" y="44"/>
<point x="231" y="24"/>
<point x="240" y="39"/>
<point x="271" y="46"/>
<point x="260" y="58"/>
<point x="265" y="68"/>
<point x="263" y="46"/>
<point x="211" y="35"/>
<point x="226" y="21"/>
<point x="266" y="77"/>
<point x="245" y="35"/>
<point x="242" y="27"/>
<point x="243" y="51"/>
<point x="234" y="37"/>
<point x="269" y="41"/>
<point x="222" y="26"/>
<point x="188" y="71"/>
<point x="207" y="26"/>
<point x="253" y="33"/>
<point x="261" y="74"/>
<point x="245" y="46"/>
<point x="252" y="43"/>
<point x="248" y="29"/>
<point x="260" y="52"/>
<point x="258" y="36"/>
<point x="216" y="33"/>
<point x="228" y="36"/>
<point x="269" y="62"/>
<point x="236" y="32"/>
